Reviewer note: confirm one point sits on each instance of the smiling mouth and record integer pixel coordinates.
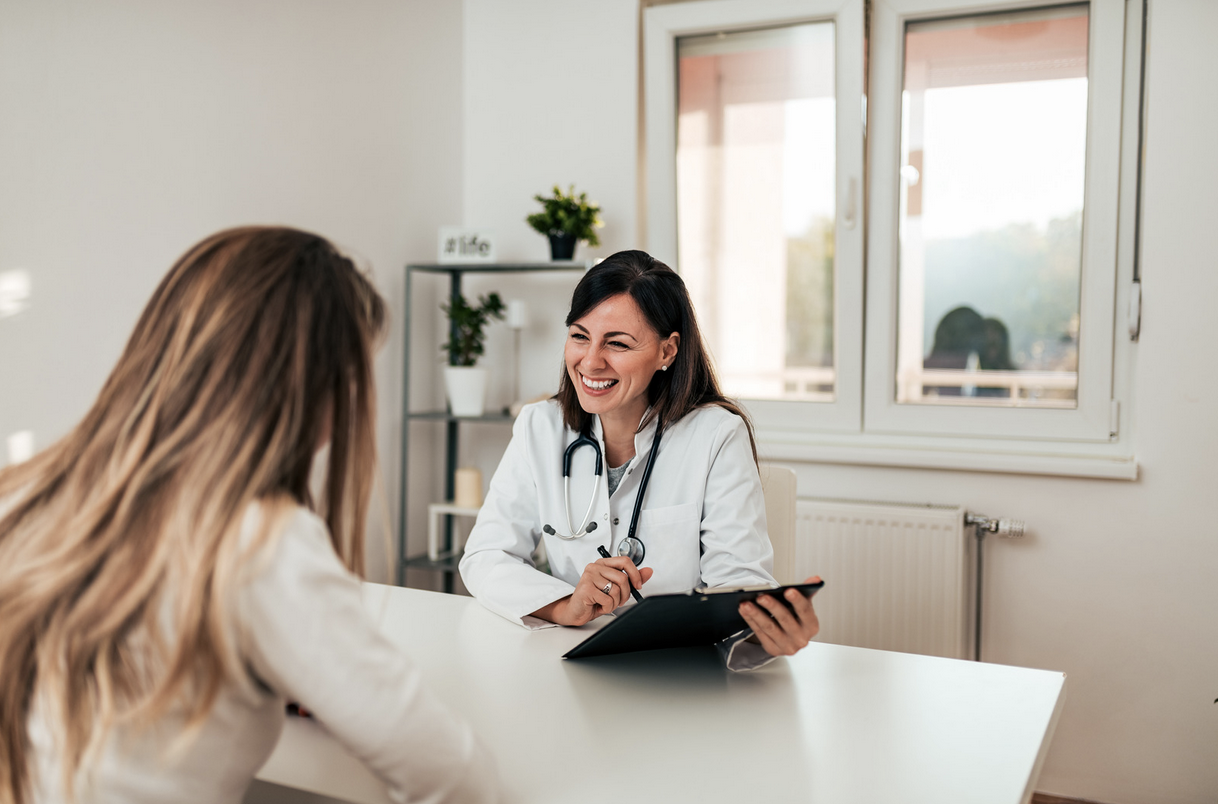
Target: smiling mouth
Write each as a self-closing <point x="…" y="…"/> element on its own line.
<point x="597" y="385"/>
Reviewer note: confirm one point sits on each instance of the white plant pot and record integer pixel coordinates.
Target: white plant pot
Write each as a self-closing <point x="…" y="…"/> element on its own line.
<point x="466" y="387"/>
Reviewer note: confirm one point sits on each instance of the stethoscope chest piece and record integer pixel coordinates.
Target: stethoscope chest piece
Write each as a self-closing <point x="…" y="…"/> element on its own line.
<point x="633" y="549"/>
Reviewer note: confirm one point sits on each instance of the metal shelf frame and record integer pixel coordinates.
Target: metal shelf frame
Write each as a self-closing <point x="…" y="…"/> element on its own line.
<point x="455" y="272"/>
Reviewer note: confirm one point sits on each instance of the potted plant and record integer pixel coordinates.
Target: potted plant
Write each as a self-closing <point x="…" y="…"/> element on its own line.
<point x="566" y="218"/>
<point x="464" y="381"/>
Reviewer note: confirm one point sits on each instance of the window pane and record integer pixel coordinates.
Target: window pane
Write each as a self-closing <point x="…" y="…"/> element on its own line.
<point x="993" y="144"/>
<point x="755" y="205"/>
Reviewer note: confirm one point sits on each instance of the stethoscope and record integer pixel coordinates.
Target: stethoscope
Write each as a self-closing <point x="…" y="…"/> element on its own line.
<point x="631" y="547"/>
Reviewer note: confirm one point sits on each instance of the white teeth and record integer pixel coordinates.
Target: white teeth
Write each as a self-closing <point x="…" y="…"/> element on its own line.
<point x="597" y="386"/>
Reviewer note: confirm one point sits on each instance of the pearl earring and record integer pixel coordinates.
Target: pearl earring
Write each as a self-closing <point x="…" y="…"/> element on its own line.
<point x="663" y="368"/>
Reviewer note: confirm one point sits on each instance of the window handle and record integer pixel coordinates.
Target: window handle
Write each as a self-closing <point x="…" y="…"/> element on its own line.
<point x="850" y="216"/>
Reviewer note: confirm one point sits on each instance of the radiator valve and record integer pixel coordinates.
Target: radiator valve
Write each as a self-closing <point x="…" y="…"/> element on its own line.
<point x="1005" y="528"/>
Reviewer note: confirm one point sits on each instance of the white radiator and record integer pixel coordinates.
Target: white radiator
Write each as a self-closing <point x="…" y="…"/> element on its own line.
<point x="897" y="577"/>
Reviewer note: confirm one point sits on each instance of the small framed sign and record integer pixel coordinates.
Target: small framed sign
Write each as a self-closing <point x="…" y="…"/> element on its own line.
<point x="458" y="244"/>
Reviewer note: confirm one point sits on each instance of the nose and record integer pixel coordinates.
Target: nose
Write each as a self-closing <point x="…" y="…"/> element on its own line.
<point x="591" y="359"/>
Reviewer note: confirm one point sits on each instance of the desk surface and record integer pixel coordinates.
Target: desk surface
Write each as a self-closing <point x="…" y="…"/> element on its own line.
<point x="831" y="724"/>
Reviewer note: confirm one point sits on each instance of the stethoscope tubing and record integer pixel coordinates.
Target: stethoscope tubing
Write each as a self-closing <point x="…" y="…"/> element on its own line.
<point x="583" y="440"/>
<point x="583" y="528"/>
<point x="630" y="540"/>
<point x="630" y="546"/>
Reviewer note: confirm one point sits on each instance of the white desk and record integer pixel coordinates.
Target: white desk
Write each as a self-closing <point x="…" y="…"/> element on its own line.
<point x="832" y="725"/>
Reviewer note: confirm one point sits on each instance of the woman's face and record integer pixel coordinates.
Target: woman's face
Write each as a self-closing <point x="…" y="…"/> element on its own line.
<point x="612" y="354"/>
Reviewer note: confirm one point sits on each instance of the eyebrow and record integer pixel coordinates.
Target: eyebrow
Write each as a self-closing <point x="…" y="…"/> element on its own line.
<point x="607" y="334"/>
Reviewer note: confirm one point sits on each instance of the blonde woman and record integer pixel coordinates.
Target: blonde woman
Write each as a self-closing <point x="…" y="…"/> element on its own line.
<point x="165" y="584"/>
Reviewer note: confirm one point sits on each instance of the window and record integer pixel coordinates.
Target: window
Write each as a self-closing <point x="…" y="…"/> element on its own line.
<point x="996" y="140"/>
<point x="993" y="154"/>
<point x="754" y="194"/>
<point x="755" y="204"/>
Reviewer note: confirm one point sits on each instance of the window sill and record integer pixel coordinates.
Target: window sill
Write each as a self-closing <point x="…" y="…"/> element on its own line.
<point x="1104" y="461"/>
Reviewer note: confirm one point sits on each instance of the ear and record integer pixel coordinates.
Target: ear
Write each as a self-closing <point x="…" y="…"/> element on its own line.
<point x="669" y="348"/>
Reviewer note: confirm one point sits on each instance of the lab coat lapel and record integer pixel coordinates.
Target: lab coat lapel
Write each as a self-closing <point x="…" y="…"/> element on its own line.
<point x="644" y="439"/>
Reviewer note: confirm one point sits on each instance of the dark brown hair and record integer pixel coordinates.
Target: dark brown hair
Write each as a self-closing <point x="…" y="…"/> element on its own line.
<point x="690" y="380"/>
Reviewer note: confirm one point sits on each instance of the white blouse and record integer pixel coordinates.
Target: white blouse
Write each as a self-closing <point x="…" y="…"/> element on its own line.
<point x="702" y="521"/>
<point x="306" y="637"/>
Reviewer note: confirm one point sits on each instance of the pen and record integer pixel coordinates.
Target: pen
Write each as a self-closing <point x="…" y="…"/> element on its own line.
<point x="600" y="548"/>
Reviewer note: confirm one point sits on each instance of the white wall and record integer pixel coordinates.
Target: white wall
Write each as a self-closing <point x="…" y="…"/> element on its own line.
<point x="129" y="130"/>
<point x="550" y="98"/>
<point x="1116" y="583"/>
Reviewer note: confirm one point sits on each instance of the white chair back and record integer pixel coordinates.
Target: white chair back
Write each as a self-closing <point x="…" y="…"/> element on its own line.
<point x="778" y="486"/>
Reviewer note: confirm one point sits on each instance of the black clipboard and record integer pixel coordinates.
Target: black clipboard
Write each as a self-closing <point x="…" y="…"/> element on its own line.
<point x="700" y="617"/>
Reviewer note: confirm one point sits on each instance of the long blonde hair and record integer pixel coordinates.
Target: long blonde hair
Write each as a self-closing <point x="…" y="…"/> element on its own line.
<point x="256" y="346"/>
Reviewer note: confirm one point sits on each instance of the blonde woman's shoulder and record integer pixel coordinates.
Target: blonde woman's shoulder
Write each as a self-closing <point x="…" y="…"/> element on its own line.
<point x="273" y="527"/>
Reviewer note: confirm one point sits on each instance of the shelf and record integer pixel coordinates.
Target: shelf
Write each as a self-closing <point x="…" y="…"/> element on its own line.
<point x="500" y="267"/>
<point x="449" y="563"/>
<point x="454" y="509"/>
<point x="455" y="273"/>
<point x="434" y="512"/>
<point x="445" y="416"/>
<point x="446" y="563"/>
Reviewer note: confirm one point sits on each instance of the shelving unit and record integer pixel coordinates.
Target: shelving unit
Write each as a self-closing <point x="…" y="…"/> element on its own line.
<point x="447" y="562"/>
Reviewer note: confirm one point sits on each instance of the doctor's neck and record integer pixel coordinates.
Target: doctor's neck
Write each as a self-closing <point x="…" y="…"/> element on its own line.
<point x="618" y="428"/>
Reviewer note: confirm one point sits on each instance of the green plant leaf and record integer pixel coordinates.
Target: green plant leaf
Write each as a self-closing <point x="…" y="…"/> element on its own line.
<point x="567" y="213"/>
<point x="467" y="323"/>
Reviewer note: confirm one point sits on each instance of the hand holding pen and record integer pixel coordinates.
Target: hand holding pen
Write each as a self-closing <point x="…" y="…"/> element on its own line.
<point x="602" y="587"/>
<point x="600" y="548"/>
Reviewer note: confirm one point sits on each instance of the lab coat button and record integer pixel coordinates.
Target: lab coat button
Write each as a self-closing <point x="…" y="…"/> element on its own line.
<point x="615" y="520"/>
<point x="606" y="516"/>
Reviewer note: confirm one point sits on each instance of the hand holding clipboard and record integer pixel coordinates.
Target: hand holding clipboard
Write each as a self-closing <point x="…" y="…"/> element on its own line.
<point x="783" y="626"/>
<point x="704" y="617"/>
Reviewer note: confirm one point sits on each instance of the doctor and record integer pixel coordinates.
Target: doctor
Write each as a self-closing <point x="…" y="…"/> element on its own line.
<point x="639" y="454"/>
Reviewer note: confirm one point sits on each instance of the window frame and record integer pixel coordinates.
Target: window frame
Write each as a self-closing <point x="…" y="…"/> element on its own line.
<point x="663" y="25"/>
<point x="1098" y="440"/>
<point x="1090" y="420"/>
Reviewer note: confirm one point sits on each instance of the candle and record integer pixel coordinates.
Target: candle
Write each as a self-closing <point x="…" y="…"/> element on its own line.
<point x="468" y="487"/>
<point x="517" y="314"/>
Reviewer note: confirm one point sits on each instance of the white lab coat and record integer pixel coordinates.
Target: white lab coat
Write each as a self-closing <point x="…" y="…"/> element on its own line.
<point x="702" y="522"/>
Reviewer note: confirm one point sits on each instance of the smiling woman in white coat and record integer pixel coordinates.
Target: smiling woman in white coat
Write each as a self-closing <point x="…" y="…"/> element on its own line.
<point x="640" y="455"/>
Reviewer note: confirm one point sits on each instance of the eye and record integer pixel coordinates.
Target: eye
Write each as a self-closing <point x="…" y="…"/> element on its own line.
<point x="618" y="345"/>
<point x="578" y="336"/>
